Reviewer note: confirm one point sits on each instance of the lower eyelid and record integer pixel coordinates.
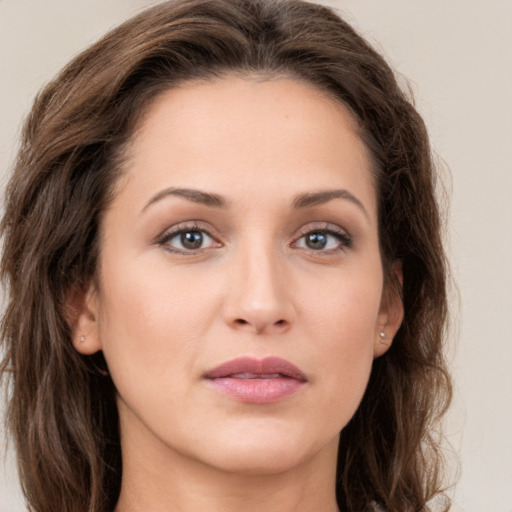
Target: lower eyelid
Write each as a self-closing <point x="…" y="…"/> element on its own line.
<point x="168" y="235"/>
<point x="344" y="241"/>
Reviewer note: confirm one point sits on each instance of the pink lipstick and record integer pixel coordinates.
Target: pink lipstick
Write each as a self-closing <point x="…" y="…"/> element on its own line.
<point x="257" y="381"/>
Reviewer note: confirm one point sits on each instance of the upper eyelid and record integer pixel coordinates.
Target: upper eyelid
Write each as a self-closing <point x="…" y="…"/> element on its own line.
<point x="322" y="226"/>
<point x="199" y="225"/>
<point x="345" y="238"/>
<point x="164" y="239"/>
<point x="193" y="225"/>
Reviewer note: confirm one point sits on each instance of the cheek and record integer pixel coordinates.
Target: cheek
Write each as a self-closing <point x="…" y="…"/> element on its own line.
<point x="344" y="308"/>
<point x="342" y="321"/>
<point x="151" y="321"/>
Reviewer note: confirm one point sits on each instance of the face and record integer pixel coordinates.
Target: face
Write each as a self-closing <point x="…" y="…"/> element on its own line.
<point x="238" y="300"/>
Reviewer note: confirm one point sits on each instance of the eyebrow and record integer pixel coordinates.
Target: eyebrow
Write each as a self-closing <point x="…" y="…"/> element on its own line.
<point x="306" y="200"/>
<point x="197" y="196"/>
<point x="310" y="199"/>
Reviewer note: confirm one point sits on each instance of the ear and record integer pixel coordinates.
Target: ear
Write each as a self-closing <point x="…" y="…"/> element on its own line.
<point x="82" y="308"/>
<point x="391" y="312"/>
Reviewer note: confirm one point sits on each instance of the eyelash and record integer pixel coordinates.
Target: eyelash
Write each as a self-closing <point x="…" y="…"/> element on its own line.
<point x="344" y="239"/>
<point x="164" y="239"/>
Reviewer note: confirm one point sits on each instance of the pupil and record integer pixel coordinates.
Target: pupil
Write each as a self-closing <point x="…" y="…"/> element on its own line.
<point x="316" y="241"/>
<point x="192" y="239"/>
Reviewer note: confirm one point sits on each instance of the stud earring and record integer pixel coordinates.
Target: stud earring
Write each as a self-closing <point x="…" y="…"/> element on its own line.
<point x="383" y="337"/>
<point x="82" y="338"/>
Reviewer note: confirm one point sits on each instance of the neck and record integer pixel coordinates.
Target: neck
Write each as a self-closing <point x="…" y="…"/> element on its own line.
<point x="166" y="481"/>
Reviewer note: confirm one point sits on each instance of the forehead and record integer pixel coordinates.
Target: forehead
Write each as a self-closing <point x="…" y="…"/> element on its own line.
<point x="234" y="133"/>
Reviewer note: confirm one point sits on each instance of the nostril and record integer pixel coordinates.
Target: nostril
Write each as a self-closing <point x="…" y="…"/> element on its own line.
<point x="260" y="322"/>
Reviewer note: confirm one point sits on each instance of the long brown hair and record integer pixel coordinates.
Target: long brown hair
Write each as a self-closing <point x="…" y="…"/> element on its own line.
<point x="61" y="410"/>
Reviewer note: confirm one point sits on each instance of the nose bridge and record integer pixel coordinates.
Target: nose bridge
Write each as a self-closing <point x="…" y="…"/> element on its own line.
<point x="259" y="297"/>
<point x="261" y="272"/>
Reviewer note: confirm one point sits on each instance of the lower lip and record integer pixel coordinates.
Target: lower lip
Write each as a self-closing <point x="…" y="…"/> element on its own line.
<point x="257" y="391"/>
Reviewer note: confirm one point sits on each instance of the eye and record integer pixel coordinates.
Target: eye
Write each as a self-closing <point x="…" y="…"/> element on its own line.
<point x="324" y="240"/>
<point x="187" y="240"/>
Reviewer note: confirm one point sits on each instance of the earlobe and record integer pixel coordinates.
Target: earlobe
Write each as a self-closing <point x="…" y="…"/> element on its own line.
<point x="82" y="317"/>
<point x="391" y="313"/>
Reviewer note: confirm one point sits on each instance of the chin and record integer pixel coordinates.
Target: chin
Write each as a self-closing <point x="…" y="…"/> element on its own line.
<point x="261" y="461"/>
<point x="266" y="453"/>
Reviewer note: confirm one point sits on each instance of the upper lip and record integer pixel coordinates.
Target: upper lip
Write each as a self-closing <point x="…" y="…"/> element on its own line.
<point x="266" y="366"/>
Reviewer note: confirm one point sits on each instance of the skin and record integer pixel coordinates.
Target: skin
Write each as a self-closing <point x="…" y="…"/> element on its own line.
<point x="164" y="314"/>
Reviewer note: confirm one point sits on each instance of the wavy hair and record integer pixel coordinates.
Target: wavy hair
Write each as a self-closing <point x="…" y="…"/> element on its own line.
<point x="61" y="410"/>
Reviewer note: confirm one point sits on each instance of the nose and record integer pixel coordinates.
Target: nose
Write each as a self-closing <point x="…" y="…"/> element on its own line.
<point x="259" y="298"/>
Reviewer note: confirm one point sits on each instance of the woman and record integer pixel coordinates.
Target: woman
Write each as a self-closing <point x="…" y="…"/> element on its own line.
<point x="225" y="272"/>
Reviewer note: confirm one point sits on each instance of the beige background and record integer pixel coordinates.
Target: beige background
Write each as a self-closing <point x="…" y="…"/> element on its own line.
<point x="457" y="55"/>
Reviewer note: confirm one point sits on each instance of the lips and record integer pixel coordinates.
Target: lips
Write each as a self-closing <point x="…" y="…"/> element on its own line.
<point x="248" y="367"/>
<point x="258" y="381"/>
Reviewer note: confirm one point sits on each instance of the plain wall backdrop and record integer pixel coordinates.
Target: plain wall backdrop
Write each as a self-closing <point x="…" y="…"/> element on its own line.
<point x="457" y="56"/>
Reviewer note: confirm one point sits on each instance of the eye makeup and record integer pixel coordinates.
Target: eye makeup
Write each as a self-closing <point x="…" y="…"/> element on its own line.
<point x="324" y="238"/>
<point x="194" y="237"/>
<point x="187" y="238"/>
